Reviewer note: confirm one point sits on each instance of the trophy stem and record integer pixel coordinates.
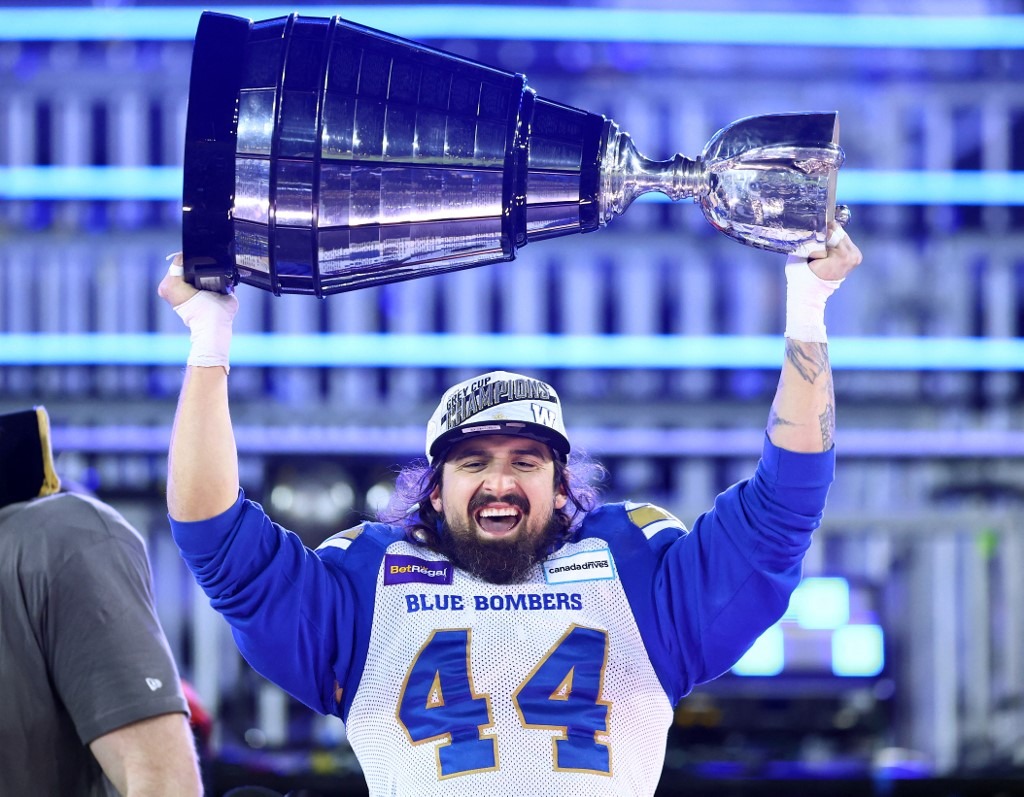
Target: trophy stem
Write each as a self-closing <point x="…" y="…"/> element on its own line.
<point x="626" y="174"/>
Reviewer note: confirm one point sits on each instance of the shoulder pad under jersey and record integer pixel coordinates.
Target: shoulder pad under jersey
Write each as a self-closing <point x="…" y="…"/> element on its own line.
<point x="651" y="519"/>
<point x="342" y="539"/>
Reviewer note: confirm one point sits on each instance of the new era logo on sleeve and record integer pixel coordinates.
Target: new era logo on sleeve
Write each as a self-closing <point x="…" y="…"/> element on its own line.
<point x="154" y="684"/>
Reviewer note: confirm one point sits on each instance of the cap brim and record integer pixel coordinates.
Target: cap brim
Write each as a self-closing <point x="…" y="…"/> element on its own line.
<point x="532" y="431"/>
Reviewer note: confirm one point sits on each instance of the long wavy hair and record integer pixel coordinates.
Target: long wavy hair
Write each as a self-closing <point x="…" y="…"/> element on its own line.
<point x="410" y="507"/>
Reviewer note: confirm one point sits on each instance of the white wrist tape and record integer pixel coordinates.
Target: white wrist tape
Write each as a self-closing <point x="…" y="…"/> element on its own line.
<point x="209" y="315"/>
<point x="177" y="267"/>
<point x="806" y="294"/>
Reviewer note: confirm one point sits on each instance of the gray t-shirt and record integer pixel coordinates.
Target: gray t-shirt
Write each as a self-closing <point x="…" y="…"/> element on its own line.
<point x="82" y="652"/>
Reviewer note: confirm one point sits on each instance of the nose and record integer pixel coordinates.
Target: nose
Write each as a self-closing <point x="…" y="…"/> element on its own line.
<point x="499" y="478"/>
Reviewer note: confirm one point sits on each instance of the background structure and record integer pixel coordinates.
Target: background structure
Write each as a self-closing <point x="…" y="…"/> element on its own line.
<point x="662" y="336"/>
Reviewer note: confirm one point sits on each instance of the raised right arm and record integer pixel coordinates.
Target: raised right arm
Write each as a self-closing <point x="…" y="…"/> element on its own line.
<point x="202" y="473"/>
<point x="294" y="618"/>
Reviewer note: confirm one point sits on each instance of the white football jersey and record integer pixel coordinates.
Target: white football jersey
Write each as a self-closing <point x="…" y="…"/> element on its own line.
<point x="541" y="688"/>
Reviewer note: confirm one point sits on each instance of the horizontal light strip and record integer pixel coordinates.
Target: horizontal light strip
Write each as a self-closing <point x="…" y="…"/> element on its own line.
<point x="906" y="187"/>
<point x="546" y="23"/>
<point x="407" y="441"/>
<point x="160" y="183"/>
<point x="856" y="186"/>
<point x="517" y="351"/>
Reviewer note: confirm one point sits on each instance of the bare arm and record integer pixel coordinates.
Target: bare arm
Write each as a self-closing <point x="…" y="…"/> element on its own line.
<point x="154" y="757"/>
<point x="802" y="417"/>
<point x="202" y="477"/>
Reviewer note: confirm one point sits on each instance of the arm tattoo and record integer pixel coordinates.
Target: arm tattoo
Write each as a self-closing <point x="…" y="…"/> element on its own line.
<point x="809" y="359"/>
<point x="828" y="425"/>
<point x="774" y="420"/>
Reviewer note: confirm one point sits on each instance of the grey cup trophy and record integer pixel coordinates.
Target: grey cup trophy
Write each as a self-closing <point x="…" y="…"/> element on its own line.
<point x="322" y="156"/>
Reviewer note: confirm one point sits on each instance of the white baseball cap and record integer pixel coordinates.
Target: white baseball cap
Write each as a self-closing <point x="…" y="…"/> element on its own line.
<point x="497" y="403"/>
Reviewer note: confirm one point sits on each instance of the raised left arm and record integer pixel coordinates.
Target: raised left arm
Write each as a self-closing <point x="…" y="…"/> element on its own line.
<point x="802" y="417"/>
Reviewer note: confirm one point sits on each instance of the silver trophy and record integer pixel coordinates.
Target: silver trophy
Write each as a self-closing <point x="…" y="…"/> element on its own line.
<point x="323" y="156"/>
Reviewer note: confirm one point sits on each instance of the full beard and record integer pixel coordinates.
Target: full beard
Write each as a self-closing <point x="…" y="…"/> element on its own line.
<point x="497" y="561"/>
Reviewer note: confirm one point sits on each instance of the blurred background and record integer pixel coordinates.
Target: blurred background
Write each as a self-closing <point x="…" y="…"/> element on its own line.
<point x="899" y="668"/>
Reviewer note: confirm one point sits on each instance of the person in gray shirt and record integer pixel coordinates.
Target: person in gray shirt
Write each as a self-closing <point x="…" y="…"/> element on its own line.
<point x="92" y="701"/>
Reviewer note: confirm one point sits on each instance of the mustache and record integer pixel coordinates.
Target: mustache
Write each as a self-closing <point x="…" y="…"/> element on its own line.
<point x="518" y="501"/>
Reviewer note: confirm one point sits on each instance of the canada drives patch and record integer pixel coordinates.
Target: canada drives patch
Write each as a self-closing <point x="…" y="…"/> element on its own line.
<point x="585" y="566"/>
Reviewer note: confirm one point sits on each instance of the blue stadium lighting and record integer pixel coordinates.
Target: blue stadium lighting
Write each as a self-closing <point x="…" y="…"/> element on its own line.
<point x="407" y="441"/>
<point x="516" y="351"/>
<point x="856" y="186"/>
<point x="546" y="23"/>
<point x="820" y="603"/>
<point x="161" y="183"/>
<point x="902" y="187"/>
<point x="858" y="651"/>
<point x="767" y="656"/>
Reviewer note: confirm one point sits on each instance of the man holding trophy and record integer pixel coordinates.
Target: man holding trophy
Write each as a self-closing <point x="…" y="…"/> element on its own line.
<point x="498" y="631"/>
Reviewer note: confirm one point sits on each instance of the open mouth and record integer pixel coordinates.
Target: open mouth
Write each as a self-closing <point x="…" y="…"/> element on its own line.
<point x="498" y="520"/>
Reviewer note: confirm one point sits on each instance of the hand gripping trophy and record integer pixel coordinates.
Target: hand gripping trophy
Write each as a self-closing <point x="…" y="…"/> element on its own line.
<point x="322" y="156"/>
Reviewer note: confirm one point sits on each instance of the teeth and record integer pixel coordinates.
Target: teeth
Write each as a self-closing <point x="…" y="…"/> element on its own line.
<point x="498" y="513"/>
